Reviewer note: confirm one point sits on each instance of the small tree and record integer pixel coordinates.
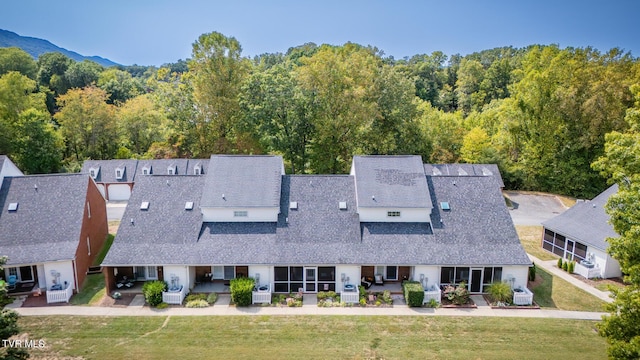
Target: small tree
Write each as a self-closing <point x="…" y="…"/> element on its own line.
<point x="560" y="263"/>
<point x="571" y="267"/>
<point x="8" y="323"/>
<point x="532" y="272"/>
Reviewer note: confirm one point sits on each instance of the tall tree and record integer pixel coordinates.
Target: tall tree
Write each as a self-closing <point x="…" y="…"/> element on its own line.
<point x="340" y="82"/>
<point x="84" y="73"/>
<point x="87" y="123"/>
<point x="51" y="69"/>
<point x="17" y="94"/>
<point x="16" y="59"/>
<point x="119" y="85"/>
<point x="217" y="73"/>
<point x="278" y="113"/>
<point x="621" y="162"/>
<point x="39" y="146"/>
<point x="140" y="124"/>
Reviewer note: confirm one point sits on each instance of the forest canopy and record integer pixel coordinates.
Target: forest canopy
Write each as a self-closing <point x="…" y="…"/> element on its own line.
<point x="541" y="112"/>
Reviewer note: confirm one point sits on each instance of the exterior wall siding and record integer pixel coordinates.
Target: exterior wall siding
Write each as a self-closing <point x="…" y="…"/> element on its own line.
<point x="227" y="214"/>
<point x="406" y="215"/>
<point x="64" y="268"/>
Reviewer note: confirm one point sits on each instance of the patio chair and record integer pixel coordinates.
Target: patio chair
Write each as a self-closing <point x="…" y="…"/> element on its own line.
<point x="365" y="283"/>
<point x="12" y="281"/>
<point x="379" y="280"/>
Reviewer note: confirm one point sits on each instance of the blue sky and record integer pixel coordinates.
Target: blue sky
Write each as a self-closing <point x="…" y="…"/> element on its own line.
<point x="154" y="32"/>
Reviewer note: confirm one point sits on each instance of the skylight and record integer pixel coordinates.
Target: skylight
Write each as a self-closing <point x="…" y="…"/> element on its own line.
<point x="342" y="205"/>
<point x="188" y="205"/>
<point x="144" y="205"/>
<point x="445" y="205"/>
<point x="293" y="205"/>
<point x="13" y="206"/>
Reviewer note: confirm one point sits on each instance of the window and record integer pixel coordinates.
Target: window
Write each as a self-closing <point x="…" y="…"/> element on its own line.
<point x="197" y="170"/>
<point x="229" y="272"/>
<point x="119" y="173"/>
<point x="446" y="275"/>
<point x="391" y="273"/>
<point x="89" y="210"/>
<point x="291" y="278"/>
<point x="146" y="170"/>
<point x="491" y="275"/>
<point x="241" y="213"/>
<point x="92" y="173"/>
<point x="393" y="213"/>
<point x="89" y="245"/>
<point x="171" y="170"/>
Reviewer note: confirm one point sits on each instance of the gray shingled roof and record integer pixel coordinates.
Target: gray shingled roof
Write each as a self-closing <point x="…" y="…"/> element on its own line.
<point x="203" y="163"/>
<point x="465" y="170"/>
<point x="107" y="173"/>
<point x="48" y="221"/>
<point x="586" y="221"/>
<point x="476" y="231"/>
<point x="391" y="181"/>
<point x="163" y="233"/>
<point x="245" y="181"/>
<point x="160" y="166"/>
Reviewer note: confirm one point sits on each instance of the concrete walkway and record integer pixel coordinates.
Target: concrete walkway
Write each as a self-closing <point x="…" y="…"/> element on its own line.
<point x="221" y="308"/>
<point x="551" y="267"/>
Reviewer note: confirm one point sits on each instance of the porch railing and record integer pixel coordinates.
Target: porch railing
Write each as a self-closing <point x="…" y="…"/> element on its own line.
<point x="350" y="296"/>
<point x="433" y="292"/>
<point x="57" y="296"/>
<point x="262" y="296"/>
<point x="523" y="297"/>
<point x="586" y="272"/>
<point x="174" y="297"/>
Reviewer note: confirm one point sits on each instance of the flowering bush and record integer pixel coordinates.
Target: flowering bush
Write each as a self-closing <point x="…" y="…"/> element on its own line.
<point x="457" y="295"/>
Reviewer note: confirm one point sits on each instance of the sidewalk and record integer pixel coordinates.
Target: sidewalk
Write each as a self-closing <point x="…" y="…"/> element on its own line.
<point x="222" y="308"/>
<point x="551" y="267"/>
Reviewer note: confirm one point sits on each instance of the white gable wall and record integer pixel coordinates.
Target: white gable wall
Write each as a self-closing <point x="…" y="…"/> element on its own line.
<point x="254" y="214"/>
<point x="520" y="274"/>
<point x="431" y="275"/>
<point x="421" y="215"/>
<point x="179" y="271"/>
<point x="65" y="268"/>
<point x="9" y="169"/>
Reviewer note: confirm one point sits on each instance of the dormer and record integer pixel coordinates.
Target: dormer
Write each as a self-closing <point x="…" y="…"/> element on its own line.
<point x="120" y="172"/>
<point x="94" y="172"/>
<point x="172" y="169"/>
<point x="391" y="189"/>
<point x="242" y="189"/>
<point x="147" y="170"/>
<point x="197" y="169"/>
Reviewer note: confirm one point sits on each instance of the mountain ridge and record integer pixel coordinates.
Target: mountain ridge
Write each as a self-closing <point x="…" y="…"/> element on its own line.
<point x="36" y="47"/>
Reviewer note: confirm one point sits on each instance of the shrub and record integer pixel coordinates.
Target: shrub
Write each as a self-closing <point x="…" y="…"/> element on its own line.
<point x="197" y="303"/>
<point x="192" y="297"/>
<point x="363" y="302"/>
<point x="386" y="297"/>
<point x="457" y="295"/>
<point x="241" y="291"/>
<point x="413" y="293"/>
<point x="565" y="265"/>
<point x="560" y="263"/>
<point x="433" y="303"/>
<point x="532" y="273"/>
<point x="162" y="305"/>
<point x="362" y="291"/>
<point x="501" y="291"/>
<point x="212" y="298"/>
<point x="571" y="267"/>
<point x="152" y="291"/>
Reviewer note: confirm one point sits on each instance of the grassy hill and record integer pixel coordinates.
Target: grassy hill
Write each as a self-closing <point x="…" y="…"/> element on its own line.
<point x="35" y="47"/>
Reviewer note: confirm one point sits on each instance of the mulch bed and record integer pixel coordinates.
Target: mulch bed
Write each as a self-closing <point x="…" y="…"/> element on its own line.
<point x="489" y="301"/>
<point x="124" y="301"/>
<point x="447" y="304"/>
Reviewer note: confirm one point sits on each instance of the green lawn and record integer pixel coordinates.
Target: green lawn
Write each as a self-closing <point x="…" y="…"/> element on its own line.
<point x="553" y="292"/>
<point x="104" y="250"/>
<point x="92" y="291"/>
<point x="313" y="337"/>
<point x="531" y="240"/>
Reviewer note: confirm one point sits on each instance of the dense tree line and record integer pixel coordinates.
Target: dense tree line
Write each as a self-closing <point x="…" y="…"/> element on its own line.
<point x="541" y="113"/>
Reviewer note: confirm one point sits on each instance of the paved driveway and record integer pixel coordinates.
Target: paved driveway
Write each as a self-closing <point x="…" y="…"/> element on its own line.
<point x="533" y="209"/>
<point x="115" y="210"/>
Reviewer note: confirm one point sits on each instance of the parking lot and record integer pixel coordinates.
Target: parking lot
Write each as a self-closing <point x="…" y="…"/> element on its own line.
<point x="533" y="208"/>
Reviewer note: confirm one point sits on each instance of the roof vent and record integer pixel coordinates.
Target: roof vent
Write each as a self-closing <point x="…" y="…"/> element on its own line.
<point x="436" y="171"/>
<point x="462" y="172"/>
<point x="373" y="197"/>
<point x="486" y="172"/>
<point x="293" y="205"/>
<point x="445" y="205"/>
<point x="35" y="187"/>
<point x="342" y="205"/>
<point x="144" y="205"/>
<point x="13" y="207"/>
<point x="188" y="205"/>
<point x="223" y="198"/>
